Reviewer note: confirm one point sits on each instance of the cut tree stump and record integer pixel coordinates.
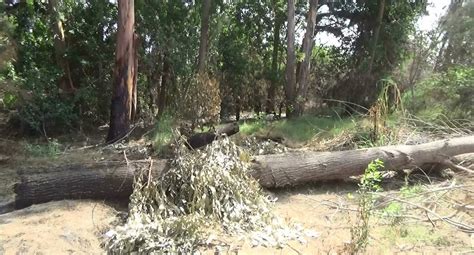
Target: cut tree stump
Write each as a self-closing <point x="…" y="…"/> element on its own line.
<point x="115" y="179"/>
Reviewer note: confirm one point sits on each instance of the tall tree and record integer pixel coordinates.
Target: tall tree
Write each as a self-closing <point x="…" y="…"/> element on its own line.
<point x="277" y="23"/>
<point x="290" y="86"/>
<point x="203" y="46"/>
<point x="165" y="82"/>
<point x="456" y="28"/>
<point x="65" y="82"/>
<point x="124" y="88"/>
<point x="305" y="66"/>
<point x="376" y="34"/>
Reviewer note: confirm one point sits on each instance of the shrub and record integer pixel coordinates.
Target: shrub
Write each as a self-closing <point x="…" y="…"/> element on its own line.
<point x="448" y="93"/>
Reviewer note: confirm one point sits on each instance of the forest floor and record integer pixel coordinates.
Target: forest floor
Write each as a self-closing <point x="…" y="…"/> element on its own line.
<point x="400" y="222"/>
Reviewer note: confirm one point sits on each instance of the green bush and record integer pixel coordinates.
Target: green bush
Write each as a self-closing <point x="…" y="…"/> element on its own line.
<point x="448" y="93"/>
<point x="47" y="108"/>
<point x="51" y="149"/>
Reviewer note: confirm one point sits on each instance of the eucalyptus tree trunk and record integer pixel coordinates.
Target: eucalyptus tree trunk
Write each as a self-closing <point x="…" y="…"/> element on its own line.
<point x="376" y="35"/>
<point x="165" y="82"/>
<point x="203" y="46"/>
<point x="270" y="104"/>
<point x="290" y="86"/>
<point x="306" y="64"/>
<point x="65" y="81"/>
<point x="124" y="96"/>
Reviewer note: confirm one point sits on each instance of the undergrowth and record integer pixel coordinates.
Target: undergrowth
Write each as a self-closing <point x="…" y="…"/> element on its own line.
<point x="370" y="182"/>
<point x="50" y="149"/>
<point x="298" y="130"/>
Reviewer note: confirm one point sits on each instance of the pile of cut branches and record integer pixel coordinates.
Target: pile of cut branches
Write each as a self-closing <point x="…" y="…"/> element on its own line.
<point x="204" y="190"/>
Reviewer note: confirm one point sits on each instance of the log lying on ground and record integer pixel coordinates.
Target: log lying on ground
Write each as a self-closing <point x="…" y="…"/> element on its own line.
<point x="201" y="139"/>
<point x="115" y="179"/>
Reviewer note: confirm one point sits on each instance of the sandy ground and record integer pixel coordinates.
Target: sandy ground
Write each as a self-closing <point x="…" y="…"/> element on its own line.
<point x="77" y="227"/>
<point x="63" y="227"/>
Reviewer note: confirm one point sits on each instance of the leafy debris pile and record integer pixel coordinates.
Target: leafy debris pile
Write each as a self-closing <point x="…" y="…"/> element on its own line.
<point x="262" y="147"/>
<point x="204" y="190"/>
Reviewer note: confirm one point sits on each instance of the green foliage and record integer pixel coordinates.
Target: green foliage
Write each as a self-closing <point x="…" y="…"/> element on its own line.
<point x="372" y="177"/>
<point x="9" y="100"/>
<point x="162" y="134"/>
<point x="408" y="191"/>
<point x="298" y="130"/>
<point x="456" y="25"/>
<point x="444" y="94"/>
<point x="329" y="65"/>
<point x="370" y="182"/>
<point x="250" y="127"/>
<point x="45" y="108"/>
<point x="35" y="73"/>
<point x="393" y="209"/>
<point x="51" y="149"/>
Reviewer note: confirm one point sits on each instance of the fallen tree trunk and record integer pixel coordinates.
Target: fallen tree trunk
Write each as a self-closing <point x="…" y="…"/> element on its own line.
<point x="201" y="139"/>
<point x="302" y="167"/>
<point x="115" y="179"/>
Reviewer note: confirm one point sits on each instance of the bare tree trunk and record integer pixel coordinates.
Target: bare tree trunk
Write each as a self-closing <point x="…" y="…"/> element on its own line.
<point x="376" y="35"/>
<point x="307" y="50"/>
<point x="124" y="91"/>
<point x="165" y="81"/>
<point x="270" y="105"/>
<point x="290" y="86"/>
<point x="65" y="82"/>
<point x="302" y="167"/>
<point x="135" y="109"/>
<point x="115" y="179"/>
<point x="203" y="46"/>
<point x="237" y="108"/>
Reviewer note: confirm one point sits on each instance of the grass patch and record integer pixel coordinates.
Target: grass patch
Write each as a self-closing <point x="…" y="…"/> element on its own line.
<point x="408" y="191"/>
<point x="414" y="234"/>
<point x="50" y="149"/>
<point x="251" y="127"/>
<point x="299" y="130"/>
<point x="163" y="133"/>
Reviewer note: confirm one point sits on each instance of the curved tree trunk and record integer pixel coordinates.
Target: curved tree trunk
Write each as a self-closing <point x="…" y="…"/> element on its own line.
<point x="65" y="82"/>
<point x="115" y="179"/>
<point x="123" y="105"/>
<point x="306" y="64"/>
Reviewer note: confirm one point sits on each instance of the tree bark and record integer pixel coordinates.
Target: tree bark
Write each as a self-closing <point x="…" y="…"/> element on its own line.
<point x="307" y="50"/>
<point x="376" y="35"/>
<point x="203" y="46"/>
<point x="114" y="179"/>
<point x="270" y="104"/>
<point x="290" y="86"/>
<point x="65" y="81"/>
<point x="302" y="167"/>
<point x="202" y="139"/>
<point x="123" y="105"/>
<point x="165" y="81"/>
